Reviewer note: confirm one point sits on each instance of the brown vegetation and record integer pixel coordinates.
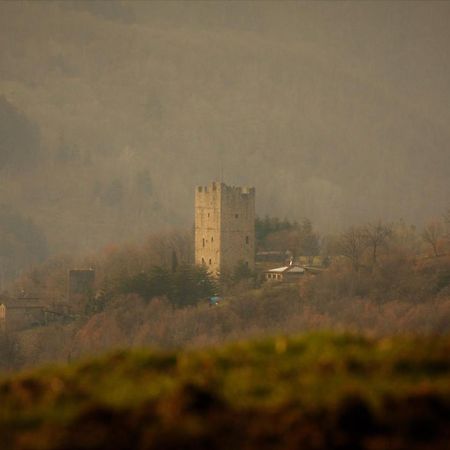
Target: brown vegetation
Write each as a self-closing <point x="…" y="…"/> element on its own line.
<point x="398" y="297"/>
<point x="319" y="391"/>
<point x="380" y="282"/>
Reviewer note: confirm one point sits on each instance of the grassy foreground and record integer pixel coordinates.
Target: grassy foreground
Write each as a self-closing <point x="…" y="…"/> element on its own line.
<point x="319" y="391"/>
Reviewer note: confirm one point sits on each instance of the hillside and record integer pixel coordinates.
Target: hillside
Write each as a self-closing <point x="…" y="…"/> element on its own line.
<point x="136" y="103"/>
<point x="314" y="392"/>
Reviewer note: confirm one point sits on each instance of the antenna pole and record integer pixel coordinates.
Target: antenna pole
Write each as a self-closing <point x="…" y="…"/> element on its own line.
<point x="221" y="169"/>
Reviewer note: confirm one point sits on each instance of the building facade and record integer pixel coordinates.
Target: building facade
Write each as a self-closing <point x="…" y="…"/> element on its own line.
<point x="288" y="274"/>
<point x="224" y="227"/>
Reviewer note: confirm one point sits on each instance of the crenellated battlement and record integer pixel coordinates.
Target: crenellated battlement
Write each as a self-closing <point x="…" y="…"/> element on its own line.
<point x="222" y="187"/>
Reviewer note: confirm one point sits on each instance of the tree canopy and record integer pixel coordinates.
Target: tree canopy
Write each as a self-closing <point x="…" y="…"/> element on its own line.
<point x="185" y="286"/>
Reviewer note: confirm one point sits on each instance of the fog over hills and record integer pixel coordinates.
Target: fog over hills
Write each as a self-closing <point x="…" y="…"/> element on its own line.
<point x="334" y="111"/>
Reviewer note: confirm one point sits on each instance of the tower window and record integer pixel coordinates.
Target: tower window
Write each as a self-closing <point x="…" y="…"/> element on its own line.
<point x="212" y="239"/>
<point x="247" y="240"/>
<point x="208" y="214"/>
<point x="203" y="242"/>
<point x="210" y="262"/>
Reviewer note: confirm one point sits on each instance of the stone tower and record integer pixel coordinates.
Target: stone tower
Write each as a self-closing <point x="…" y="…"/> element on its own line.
<point x="224" y="227"/>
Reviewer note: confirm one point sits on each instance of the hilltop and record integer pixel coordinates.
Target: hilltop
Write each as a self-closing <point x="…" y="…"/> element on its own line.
<point x="321" y="391"/>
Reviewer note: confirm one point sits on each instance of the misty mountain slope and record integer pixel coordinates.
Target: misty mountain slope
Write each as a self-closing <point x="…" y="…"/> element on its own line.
<point x="133" y="113"/>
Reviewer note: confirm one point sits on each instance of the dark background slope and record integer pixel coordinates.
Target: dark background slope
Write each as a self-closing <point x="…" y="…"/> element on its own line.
<point x="337" y="112"/>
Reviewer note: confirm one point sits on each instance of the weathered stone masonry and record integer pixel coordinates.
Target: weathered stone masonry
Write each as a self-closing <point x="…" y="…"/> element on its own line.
<point x="224" y="226"/>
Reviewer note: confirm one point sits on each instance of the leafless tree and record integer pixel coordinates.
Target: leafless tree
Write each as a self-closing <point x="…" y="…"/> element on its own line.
<point x="376" y="235"/>
<point x="352" y="244"/>
<point x="447" y="223"/>
<point x="432" y="233"/>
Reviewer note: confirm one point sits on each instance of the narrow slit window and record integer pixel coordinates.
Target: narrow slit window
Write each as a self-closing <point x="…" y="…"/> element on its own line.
<point x="247" y="240"/>
<point x="210" y="261"/>
<point x="203" y="242"/>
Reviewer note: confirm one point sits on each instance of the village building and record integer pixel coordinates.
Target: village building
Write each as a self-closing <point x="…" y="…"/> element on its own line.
<point x="289" y="273"/>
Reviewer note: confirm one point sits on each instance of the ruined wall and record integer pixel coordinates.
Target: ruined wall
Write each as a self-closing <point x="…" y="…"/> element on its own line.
<point x="80" y="283"/>
<point x="224" y="226"/>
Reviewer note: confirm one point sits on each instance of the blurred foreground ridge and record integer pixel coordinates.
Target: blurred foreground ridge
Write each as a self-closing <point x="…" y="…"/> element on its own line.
<point x="319" y="391"/>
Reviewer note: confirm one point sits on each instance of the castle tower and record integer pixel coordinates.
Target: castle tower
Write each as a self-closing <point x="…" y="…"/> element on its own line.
<point x="224" y="227"/>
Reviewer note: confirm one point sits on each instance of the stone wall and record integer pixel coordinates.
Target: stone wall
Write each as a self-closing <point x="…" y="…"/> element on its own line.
<point x="207" y="226"/>
<point x="80" y="283"/>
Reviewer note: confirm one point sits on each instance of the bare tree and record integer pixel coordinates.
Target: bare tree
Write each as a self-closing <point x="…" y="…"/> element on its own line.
<point x="447" y="223"/>
<point x="432" y="233"/>
<point x="352" y="244"/>
<point x="376" y="236"/>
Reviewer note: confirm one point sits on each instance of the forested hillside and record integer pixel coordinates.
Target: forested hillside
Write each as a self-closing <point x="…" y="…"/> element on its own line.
<point x="116" y="113"/>
<point x="377" y="279"/>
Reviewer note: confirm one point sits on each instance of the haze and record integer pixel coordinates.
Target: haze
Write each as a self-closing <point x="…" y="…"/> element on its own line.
<point x="112" y="112"/>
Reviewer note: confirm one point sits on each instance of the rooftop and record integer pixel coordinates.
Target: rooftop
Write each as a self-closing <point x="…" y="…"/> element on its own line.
<point x="287" y="269"/>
